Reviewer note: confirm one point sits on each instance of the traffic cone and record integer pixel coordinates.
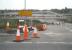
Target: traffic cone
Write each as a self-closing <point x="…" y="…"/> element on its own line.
<point x="25" y="29"/>
<point x="35" y="33"/>
<point x="18" y="33"/>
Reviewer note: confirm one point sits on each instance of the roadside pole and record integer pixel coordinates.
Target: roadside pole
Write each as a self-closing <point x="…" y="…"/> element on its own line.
<point x="25" y="9"/>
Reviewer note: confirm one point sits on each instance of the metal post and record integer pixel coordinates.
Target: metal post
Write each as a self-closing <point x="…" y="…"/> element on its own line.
<point x="25" y="9"/>
<point x="25" y="5"/>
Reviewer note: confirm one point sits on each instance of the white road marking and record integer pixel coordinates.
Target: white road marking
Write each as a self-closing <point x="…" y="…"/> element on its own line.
<point x="26" y="42"/>
<point x="41" y="42"/>
<point x="9" y="42"/>
<point x="54" y="42"/>
<point x="16" y="42"/>
<point x="7" y="34"/>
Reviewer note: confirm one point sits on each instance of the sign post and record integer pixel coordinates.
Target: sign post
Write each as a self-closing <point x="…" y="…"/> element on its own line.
<point x="25" y="14"/>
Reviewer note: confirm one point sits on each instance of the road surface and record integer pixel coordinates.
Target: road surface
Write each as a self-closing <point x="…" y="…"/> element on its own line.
<point x="56" y="37"/>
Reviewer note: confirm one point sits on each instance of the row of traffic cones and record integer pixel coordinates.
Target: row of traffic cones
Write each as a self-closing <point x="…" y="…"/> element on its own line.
<point x="25" y="30"/>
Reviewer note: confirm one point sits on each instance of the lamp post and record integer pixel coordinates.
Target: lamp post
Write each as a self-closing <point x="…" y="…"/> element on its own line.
<point x="25" y="9"/>
<point x="25" y="5"/>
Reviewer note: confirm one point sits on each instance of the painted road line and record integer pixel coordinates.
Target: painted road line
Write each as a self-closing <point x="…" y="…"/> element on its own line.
<point x="26" y="42"/>
<point x="40" y="42"/>
<point x="8" y="34"/>
<point x="54" y="42"/>
<point x="9" y="42"/>
<point x="16" y="42"/>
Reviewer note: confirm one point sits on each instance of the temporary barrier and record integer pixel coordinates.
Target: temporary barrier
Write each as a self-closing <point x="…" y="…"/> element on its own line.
<point x="35" y="33"/>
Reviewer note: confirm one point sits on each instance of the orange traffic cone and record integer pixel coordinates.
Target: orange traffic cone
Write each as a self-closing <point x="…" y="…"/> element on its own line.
<point x="18" y="35"/>
<point x="25" y="29"/>
<point x="35" y="33"/>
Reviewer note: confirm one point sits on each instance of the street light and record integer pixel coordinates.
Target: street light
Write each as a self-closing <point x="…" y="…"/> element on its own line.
<point x="25" y="9"/>
<point x="25" y="5"/>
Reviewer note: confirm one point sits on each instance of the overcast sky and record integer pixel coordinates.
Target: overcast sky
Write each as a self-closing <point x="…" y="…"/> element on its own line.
<point x="35" y="4"/>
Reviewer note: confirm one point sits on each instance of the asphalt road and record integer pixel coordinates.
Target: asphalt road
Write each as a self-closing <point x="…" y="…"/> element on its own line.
<point x="56" y="37"/>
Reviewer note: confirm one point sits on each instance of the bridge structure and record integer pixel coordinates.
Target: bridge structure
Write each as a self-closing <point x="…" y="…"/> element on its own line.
<point x="39" y="14"/>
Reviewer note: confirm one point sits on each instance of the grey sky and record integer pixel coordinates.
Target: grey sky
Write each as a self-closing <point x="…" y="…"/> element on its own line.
<point x="35" y="4"/>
